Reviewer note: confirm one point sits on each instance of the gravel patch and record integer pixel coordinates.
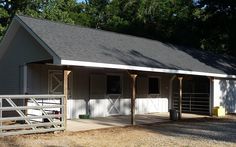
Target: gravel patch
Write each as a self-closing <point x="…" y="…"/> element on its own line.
<point x="205" y="132"/>
<point x="205" y="128"/>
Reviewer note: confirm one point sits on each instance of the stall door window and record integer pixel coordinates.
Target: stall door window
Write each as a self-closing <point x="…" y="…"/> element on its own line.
<point x="113" y="85"/>
<point x="154" y="86"/>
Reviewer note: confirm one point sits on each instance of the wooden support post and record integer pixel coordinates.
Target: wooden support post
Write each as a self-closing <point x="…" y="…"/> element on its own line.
<point x="66" y="75"/>
<point x="133" y="97"/>
<point x="171" y="97"/>
<point x="211" y="96"/>
<point x="180" y="96"/>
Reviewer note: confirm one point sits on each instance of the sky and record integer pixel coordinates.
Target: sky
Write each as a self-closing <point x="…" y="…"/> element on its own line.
<point x="80" y="0"/>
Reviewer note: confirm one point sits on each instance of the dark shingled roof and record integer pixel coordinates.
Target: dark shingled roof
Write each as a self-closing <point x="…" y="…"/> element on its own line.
<point x="85" y="44"/>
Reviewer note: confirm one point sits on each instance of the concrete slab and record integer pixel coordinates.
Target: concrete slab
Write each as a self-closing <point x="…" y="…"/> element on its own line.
<point x="121" y="120"/>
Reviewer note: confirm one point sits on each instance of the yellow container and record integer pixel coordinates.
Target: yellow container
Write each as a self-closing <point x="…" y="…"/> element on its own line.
<point x="219" y="111"/>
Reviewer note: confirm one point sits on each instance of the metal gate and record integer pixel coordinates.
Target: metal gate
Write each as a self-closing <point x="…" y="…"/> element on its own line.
<point x="193" y="102"/>
<point x="17" y="114"/>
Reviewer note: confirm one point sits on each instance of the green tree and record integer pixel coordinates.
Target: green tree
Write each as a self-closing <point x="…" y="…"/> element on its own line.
<point x="8" y="9"/>
<point x="96" y="9"/>
<point x="57" y="10"/>
<point x="3" y="20"/>
<point x="80" y="15"/>
<point x="122" y="16"/>
<point x="218" y="21"/>
<point x="167" y="20"/>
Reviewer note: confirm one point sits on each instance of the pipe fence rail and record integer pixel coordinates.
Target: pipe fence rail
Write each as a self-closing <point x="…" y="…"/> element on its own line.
<point x="193" y="102"/>
<point x="25" y="114"/>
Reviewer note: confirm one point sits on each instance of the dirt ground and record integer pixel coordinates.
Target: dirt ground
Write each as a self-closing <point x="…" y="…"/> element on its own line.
<point x="189" y="132"/>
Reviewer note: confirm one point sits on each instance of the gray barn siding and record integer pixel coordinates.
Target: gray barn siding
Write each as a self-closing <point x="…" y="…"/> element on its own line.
<point x="142" y="85"/>
<point x="22" y="50"/>
<point x="37" y="81"/>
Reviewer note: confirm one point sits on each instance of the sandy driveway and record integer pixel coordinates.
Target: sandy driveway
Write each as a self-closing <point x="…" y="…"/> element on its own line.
<point x="190" y="132"/>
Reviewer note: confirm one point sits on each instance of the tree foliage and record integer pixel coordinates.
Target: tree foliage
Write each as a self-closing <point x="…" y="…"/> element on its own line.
<point x="205" y="24"/>
<point x="218" y="21"/>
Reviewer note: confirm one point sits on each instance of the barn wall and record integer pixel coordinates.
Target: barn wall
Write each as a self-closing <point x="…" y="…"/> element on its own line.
<point x="89" y="93"/>
<point x="37" y="78"/>
<point x="224" y="94"/>
<point x="22" y="50"/>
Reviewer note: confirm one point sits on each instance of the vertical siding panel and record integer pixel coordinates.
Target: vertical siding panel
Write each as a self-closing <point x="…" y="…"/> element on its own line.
<point x="125" y="106"/>
<point x="126" y="86"/>
<point x="99" y="107"/>
<point x="142" y="87"/>
<point x="22" y="50"/>
<point x="97" y="86"/>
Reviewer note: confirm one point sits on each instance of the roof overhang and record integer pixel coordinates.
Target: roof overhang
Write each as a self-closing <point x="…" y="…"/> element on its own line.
<point x="147" y="69"/>
<point x="17" y="22"/>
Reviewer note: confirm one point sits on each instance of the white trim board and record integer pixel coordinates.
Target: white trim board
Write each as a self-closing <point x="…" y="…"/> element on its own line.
<point x="140" y="68"/>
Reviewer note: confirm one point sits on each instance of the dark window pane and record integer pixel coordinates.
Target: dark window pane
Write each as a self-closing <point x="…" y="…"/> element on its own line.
<point x="154" y="86"/>
<point x="113" y="85"/>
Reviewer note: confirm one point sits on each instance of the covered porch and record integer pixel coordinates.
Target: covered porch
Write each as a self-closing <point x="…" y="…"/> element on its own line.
<point x="75" y="125"/>
<point x="104" y="92"/>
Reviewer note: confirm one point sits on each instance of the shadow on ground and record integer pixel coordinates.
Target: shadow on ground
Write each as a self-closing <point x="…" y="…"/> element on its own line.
<point x="204" y="128"/>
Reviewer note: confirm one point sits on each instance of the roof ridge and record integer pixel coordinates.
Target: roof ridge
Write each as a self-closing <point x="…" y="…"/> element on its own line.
<point x="53" y="21"/>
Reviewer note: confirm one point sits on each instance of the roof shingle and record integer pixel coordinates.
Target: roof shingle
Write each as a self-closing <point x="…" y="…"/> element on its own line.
<point x="85" y="44"/>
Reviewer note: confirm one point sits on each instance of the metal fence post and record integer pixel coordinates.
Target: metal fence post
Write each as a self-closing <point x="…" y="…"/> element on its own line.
<point x="190" y="103"/>
<point x="63" y="118"/>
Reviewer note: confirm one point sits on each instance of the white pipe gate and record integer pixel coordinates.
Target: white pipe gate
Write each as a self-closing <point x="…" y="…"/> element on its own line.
<point x="198" y="103"/>
<point x="25" y="114"/>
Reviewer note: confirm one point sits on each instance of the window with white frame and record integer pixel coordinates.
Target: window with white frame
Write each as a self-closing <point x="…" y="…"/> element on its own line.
<point x="154" y="85"/>
<point x="113" y="84"/>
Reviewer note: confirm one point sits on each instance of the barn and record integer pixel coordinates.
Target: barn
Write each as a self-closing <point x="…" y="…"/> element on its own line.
<point x="104" y="67"/>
